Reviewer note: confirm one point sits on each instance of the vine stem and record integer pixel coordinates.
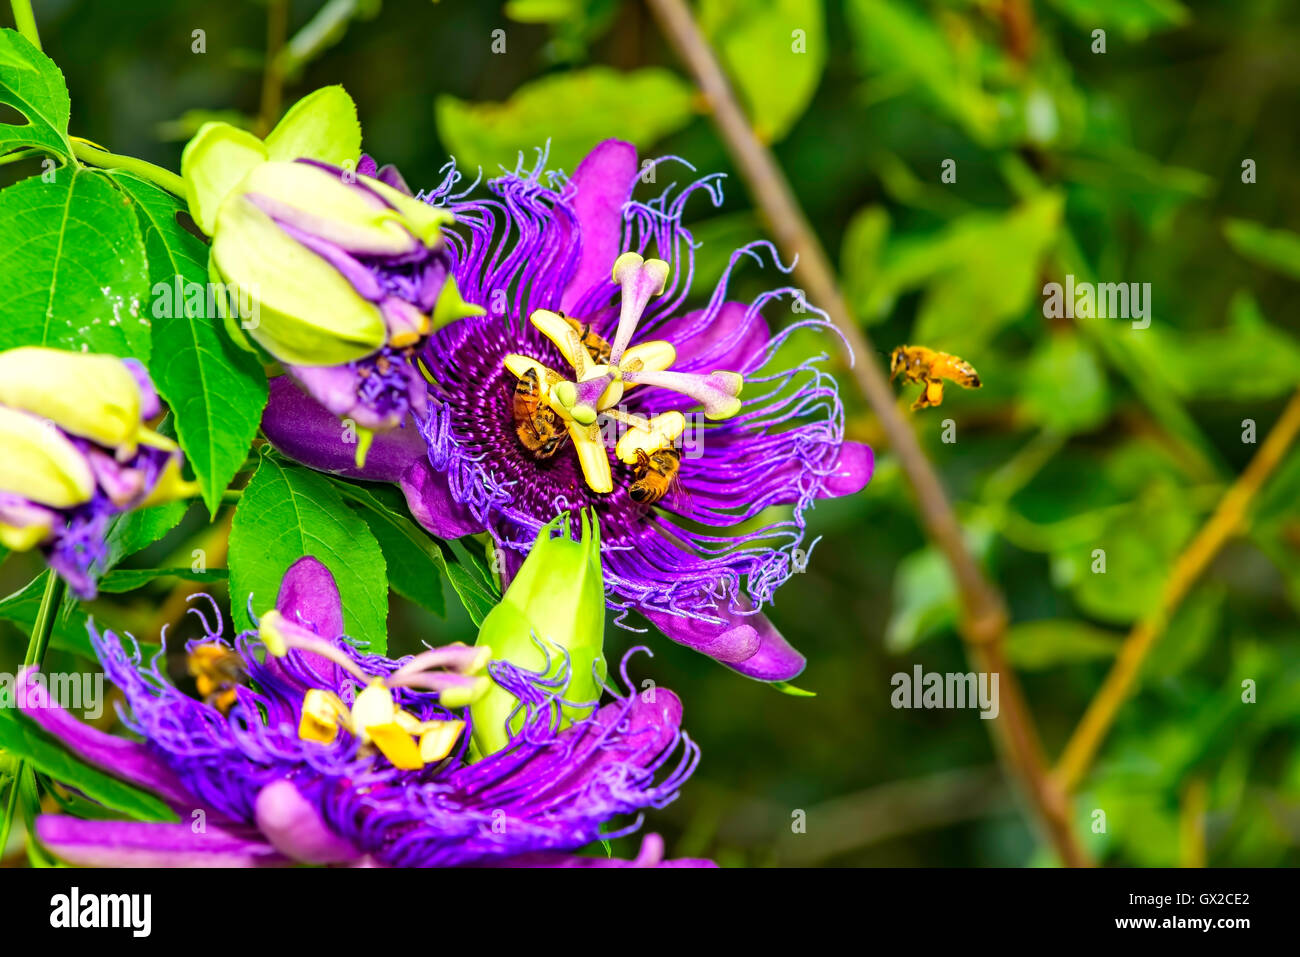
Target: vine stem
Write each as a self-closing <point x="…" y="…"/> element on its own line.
<point x="51" y="599"/>
<point x="25" y="21"/>
<point x="162" y="178"/>
<point x="984" y="619"/>
<point x="1228" y="517"/>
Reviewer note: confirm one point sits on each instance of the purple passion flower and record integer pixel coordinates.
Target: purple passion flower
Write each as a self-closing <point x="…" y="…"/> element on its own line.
<point x="572" y="391"/>
<point x="76" y="453"/>
<point x="324" y="755"/>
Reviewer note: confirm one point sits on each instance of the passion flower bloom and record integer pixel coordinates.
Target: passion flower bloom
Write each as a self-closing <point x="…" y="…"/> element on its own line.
<point x="338" y="273"/>
<point x="585" y="333"/>
<point x="76" y="453"/>
<point x="329" y="756"/>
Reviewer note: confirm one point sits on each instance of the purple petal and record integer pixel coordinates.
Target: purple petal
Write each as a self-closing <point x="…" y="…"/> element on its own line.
<point x="149" y="404"/>
<point x="141" y="844"/>
<point x="390" y="176"/>
<point x="336" y="388"/>
<point x="310" y="597"/>
<point x="127" y="760"/>
<point x="727" y="643"/>
<point x="749" y="644"/>
<point x="307" y="432"/>
<point x="604" y="181"/>
<point x="730" y="341"/>
<point x="432" y="504"/>
<point x="853" y="470"/>
<point x="295" y="828"/>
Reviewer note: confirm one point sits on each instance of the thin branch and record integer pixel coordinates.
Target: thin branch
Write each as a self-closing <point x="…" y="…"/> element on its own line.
<point x="25" y="21"/>
<point x="93" y="155"/>
<point x="984" y="621"/>
<point x="1222" y="525"/>
<point x="277" y="28"/>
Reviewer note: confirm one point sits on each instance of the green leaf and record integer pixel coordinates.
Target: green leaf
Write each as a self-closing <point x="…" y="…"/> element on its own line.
<point x="32" y="84"/>
<point x="386" y="512"/>
<point x="216" y="390"/>
<point x="774" y="51"/>
<point x="69" y="624"/>
<point x="1141" y="544"/>
<point x="129" y="579"/>
<point x="988" y="270"/>
<point x="980" y="272"/>
<point x="1248" y="359"/>
<point x="1034" y="645"/>
<point x="415" y="561"/>
<point x="73" y="261"/>
<point x="925" y="600"/>
<point x="1064" y="388"/>
<point x="288" y="512"/>
<point x="1278" y="249"/>
<point x="323" y="126"/>
<point x="22" y="738"/>
<point x="1132" y="19"/>
<point x="860" y="254"/>
<point x="140" y="528"/>
<point x="905" y="47"/>
<point x="574" y="110"/>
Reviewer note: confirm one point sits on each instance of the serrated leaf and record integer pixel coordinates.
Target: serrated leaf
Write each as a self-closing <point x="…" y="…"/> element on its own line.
<point x="73" y="261"/>
<point x="574" y="111"/>
<point x="216" y="390"/>
<point x="385" y="506"/>
<point x="774" y="51"/>
<point x="287" y="512"/>
<point x="140" y="528"/>
<point x="23" y="739"/>
<point x="32" y="84"/>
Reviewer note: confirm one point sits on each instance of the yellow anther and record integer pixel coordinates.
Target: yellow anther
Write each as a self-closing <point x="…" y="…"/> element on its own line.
<point x="437" y="742"/>
<point x="649" y="435"/>
<point x="322" y="715"/>
<point x="396" y="744"/>
<point x="269" y="630"/>
<point x="373" y="708"/>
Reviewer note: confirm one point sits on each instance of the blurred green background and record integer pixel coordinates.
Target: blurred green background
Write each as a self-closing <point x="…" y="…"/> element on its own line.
<point x="1117" y="166"/>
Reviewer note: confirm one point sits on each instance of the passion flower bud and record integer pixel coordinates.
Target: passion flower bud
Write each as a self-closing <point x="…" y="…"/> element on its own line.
<point x="343" y="274"/>
<point x="92" y="396"/>
<point x="77" y="453"/>
<point x="550" y="620"/>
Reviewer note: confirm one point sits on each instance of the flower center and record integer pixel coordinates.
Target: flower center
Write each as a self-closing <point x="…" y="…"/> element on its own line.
<point x="546" y="401"/>
<point x="453" y="672"/>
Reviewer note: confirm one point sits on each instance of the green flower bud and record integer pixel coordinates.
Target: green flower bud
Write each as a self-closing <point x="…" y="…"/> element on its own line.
<point x="558" y="597"/>
<point x="308" y="313"/>
<point x="93" y="396"/>
<point x="40" y="464"/>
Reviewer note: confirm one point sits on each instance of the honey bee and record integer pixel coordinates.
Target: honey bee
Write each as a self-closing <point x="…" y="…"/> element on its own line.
<point x="596" y="347"/>
<point x="538" y="426"/>
<point x="919" y="364"/>
<point x="217" y="672"/>
<point x="654" y="474"/>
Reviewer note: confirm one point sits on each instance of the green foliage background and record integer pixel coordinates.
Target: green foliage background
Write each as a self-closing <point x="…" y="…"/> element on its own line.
<point x="1122" y="166"/>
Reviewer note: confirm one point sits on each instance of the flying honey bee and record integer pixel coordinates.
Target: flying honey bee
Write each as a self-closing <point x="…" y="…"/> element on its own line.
<point x="538" y="426"/>
<point x="596" y="347"/>
<point x="919" y="364"/>
<point x="654" y="474"/>
<point x="217" y="672"/>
